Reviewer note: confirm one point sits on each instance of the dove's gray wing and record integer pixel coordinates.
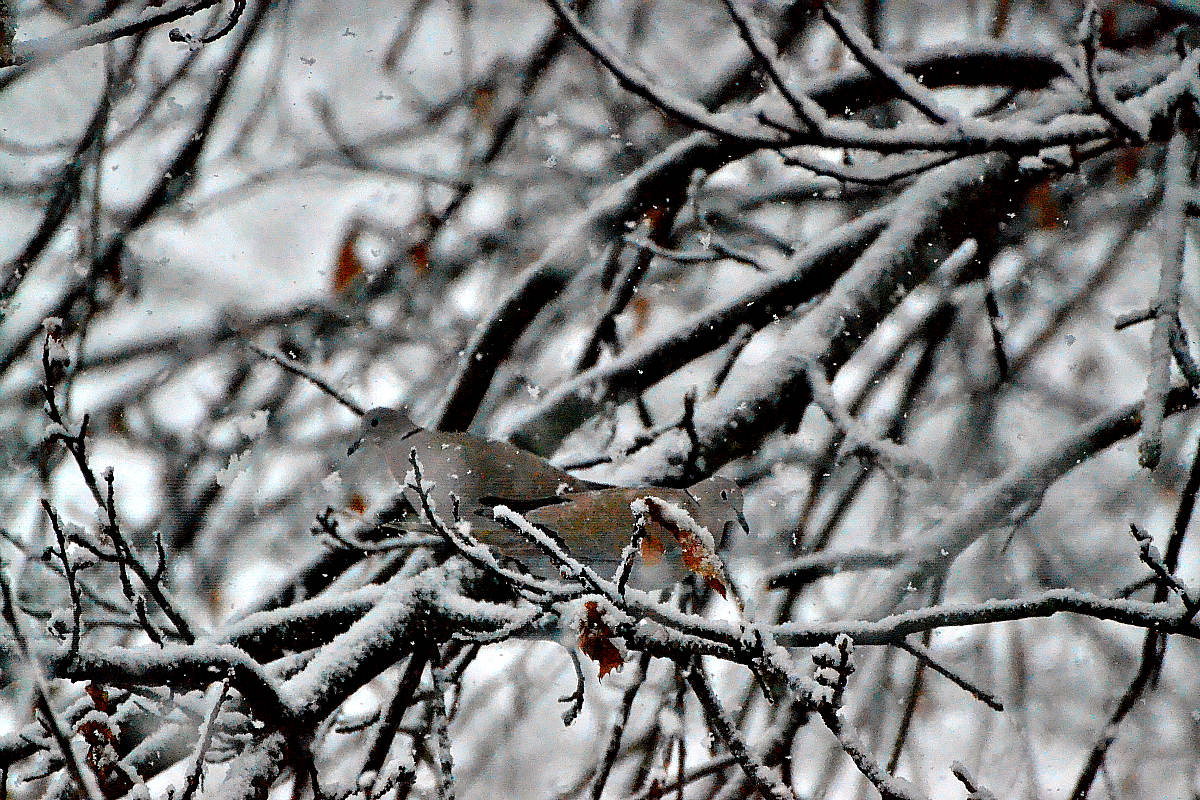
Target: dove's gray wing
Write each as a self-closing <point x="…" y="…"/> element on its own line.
<point x="480" y="472"/>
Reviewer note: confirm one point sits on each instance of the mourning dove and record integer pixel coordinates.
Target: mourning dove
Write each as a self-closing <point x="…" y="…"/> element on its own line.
<point x="480" y="472"/>
<point x="596" y="525"/>
<point x="594" y="521"/>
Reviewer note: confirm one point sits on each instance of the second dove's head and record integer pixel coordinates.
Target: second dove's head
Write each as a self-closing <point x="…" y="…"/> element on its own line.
<point x="722" y="498"/>
<point x="382" y="425"/>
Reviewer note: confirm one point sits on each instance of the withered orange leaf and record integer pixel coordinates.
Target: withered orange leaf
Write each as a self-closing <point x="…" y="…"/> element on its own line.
<point x="99" y="696"/>
<point x="1047" y="213"/>
<point x="348" y="265"/>
<point x="420" y="257"/>
<point x="1128" y="162"/>
<point x="483" y="104"/>
<point x="1109" y="32"/>
<point x="641" y="312"/>
<point x="652" y="549"/>
<point x="595" y="640"/>
<point x="654" y="216"/>
<point x="101" y="758"/>
<point x="358" y="505"/>
<point x="697" y="555"/>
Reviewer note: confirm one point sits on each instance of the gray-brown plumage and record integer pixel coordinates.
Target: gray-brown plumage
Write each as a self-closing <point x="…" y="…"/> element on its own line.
<point x="481" y="472"/>
<point x="596" y="525"/>
<point x="594" y="521"/>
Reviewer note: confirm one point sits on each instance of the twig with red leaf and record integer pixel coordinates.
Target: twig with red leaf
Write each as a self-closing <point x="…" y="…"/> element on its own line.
<point x="84" y="779"/>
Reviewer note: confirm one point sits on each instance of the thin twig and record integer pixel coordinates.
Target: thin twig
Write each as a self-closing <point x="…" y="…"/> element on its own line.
<point x="1131" y="318"/>
<point x="196" y="776"/>
<point x="617" y="731"/>
<point x="1153" y="559"/>
<point x="806" y="110"/>
<point x="833" y="669"/>
<point x="1103" y="100"/>
<point x="922" y="654"/>
<point x="767" y="784"/>
<point x="444" y="761"/>
<point x="636" y="81"/>
<point x="69" y="570"/>
<point x="908" y="87"/>
<point x="896" y="459"/>
<point x="974" y="789"/>
<point x="309" y="376"/>
<point x="1181" y="350"/>
<point x="83" y="778"/>
<point x="37" y="51"/>
<point x="1176" y="189"/>
<point x="177" y="35"/>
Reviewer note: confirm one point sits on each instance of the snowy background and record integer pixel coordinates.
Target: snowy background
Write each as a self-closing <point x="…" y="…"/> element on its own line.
<point x="374" y="180"/>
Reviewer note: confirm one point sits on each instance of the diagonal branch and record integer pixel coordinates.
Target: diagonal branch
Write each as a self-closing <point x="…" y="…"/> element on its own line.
<point x="1176" y="190"/>
<point x="1015" y="494"/>
<point x="34" y="52"/>
<point x="811" y="272"/>
<point x="806" y="110"/>
<point x="634" y="80"/>
<point x="767" y="784"/>
<point x="878" y="64"/>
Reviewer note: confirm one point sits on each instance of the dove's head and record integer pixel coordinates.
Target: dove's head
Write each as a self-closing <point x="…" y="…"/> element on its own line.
<point x="381" y="425"/>
<point x="721" y="500"/>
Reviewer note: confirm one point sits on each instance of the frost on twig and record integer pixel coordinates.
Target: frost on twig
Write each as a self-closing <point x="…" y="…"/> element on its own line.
<point x="1177" y="187"/>
<point x="833" y="662"/>
<point x="1152" y="558"/>
<point x="898" y="461"/>
<point x="974" y="790"/>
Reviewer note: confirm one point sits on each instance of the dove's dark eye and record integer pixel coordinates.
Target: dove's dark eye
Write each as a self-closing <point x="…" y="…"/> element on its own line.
<point x="375" y="422"/>
<point x="724" y="494"/>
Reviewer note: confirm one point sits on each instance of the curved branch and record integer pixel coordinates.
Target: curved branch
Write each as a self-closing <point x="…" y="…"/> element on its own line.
<point x="38" y="51"/>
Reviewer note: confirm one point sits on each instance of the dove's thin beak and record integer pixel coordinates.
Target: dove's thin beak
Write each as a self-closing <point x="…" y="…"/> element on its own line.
<point x="741" y="518"/>
<point x="357" y="444"/>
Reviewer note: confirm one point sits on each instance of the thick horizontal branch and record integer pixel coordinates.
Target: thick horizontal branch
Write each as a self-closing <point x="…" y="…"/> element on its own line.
<point x="888" y="630"/>
<point x="36" y="51"/>
<point x="176" y="666"/>
<point x="667" y="175"/>
<point x="811" y="272"/>
<point x="301" y="625"/>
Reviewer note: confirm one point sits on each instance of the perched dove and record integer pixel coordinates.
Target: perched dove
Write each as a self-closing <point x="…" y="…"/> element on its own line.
<point x="481" y="472"/>
<point x="594" y="521"/>
<point x="596" y="525"/>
